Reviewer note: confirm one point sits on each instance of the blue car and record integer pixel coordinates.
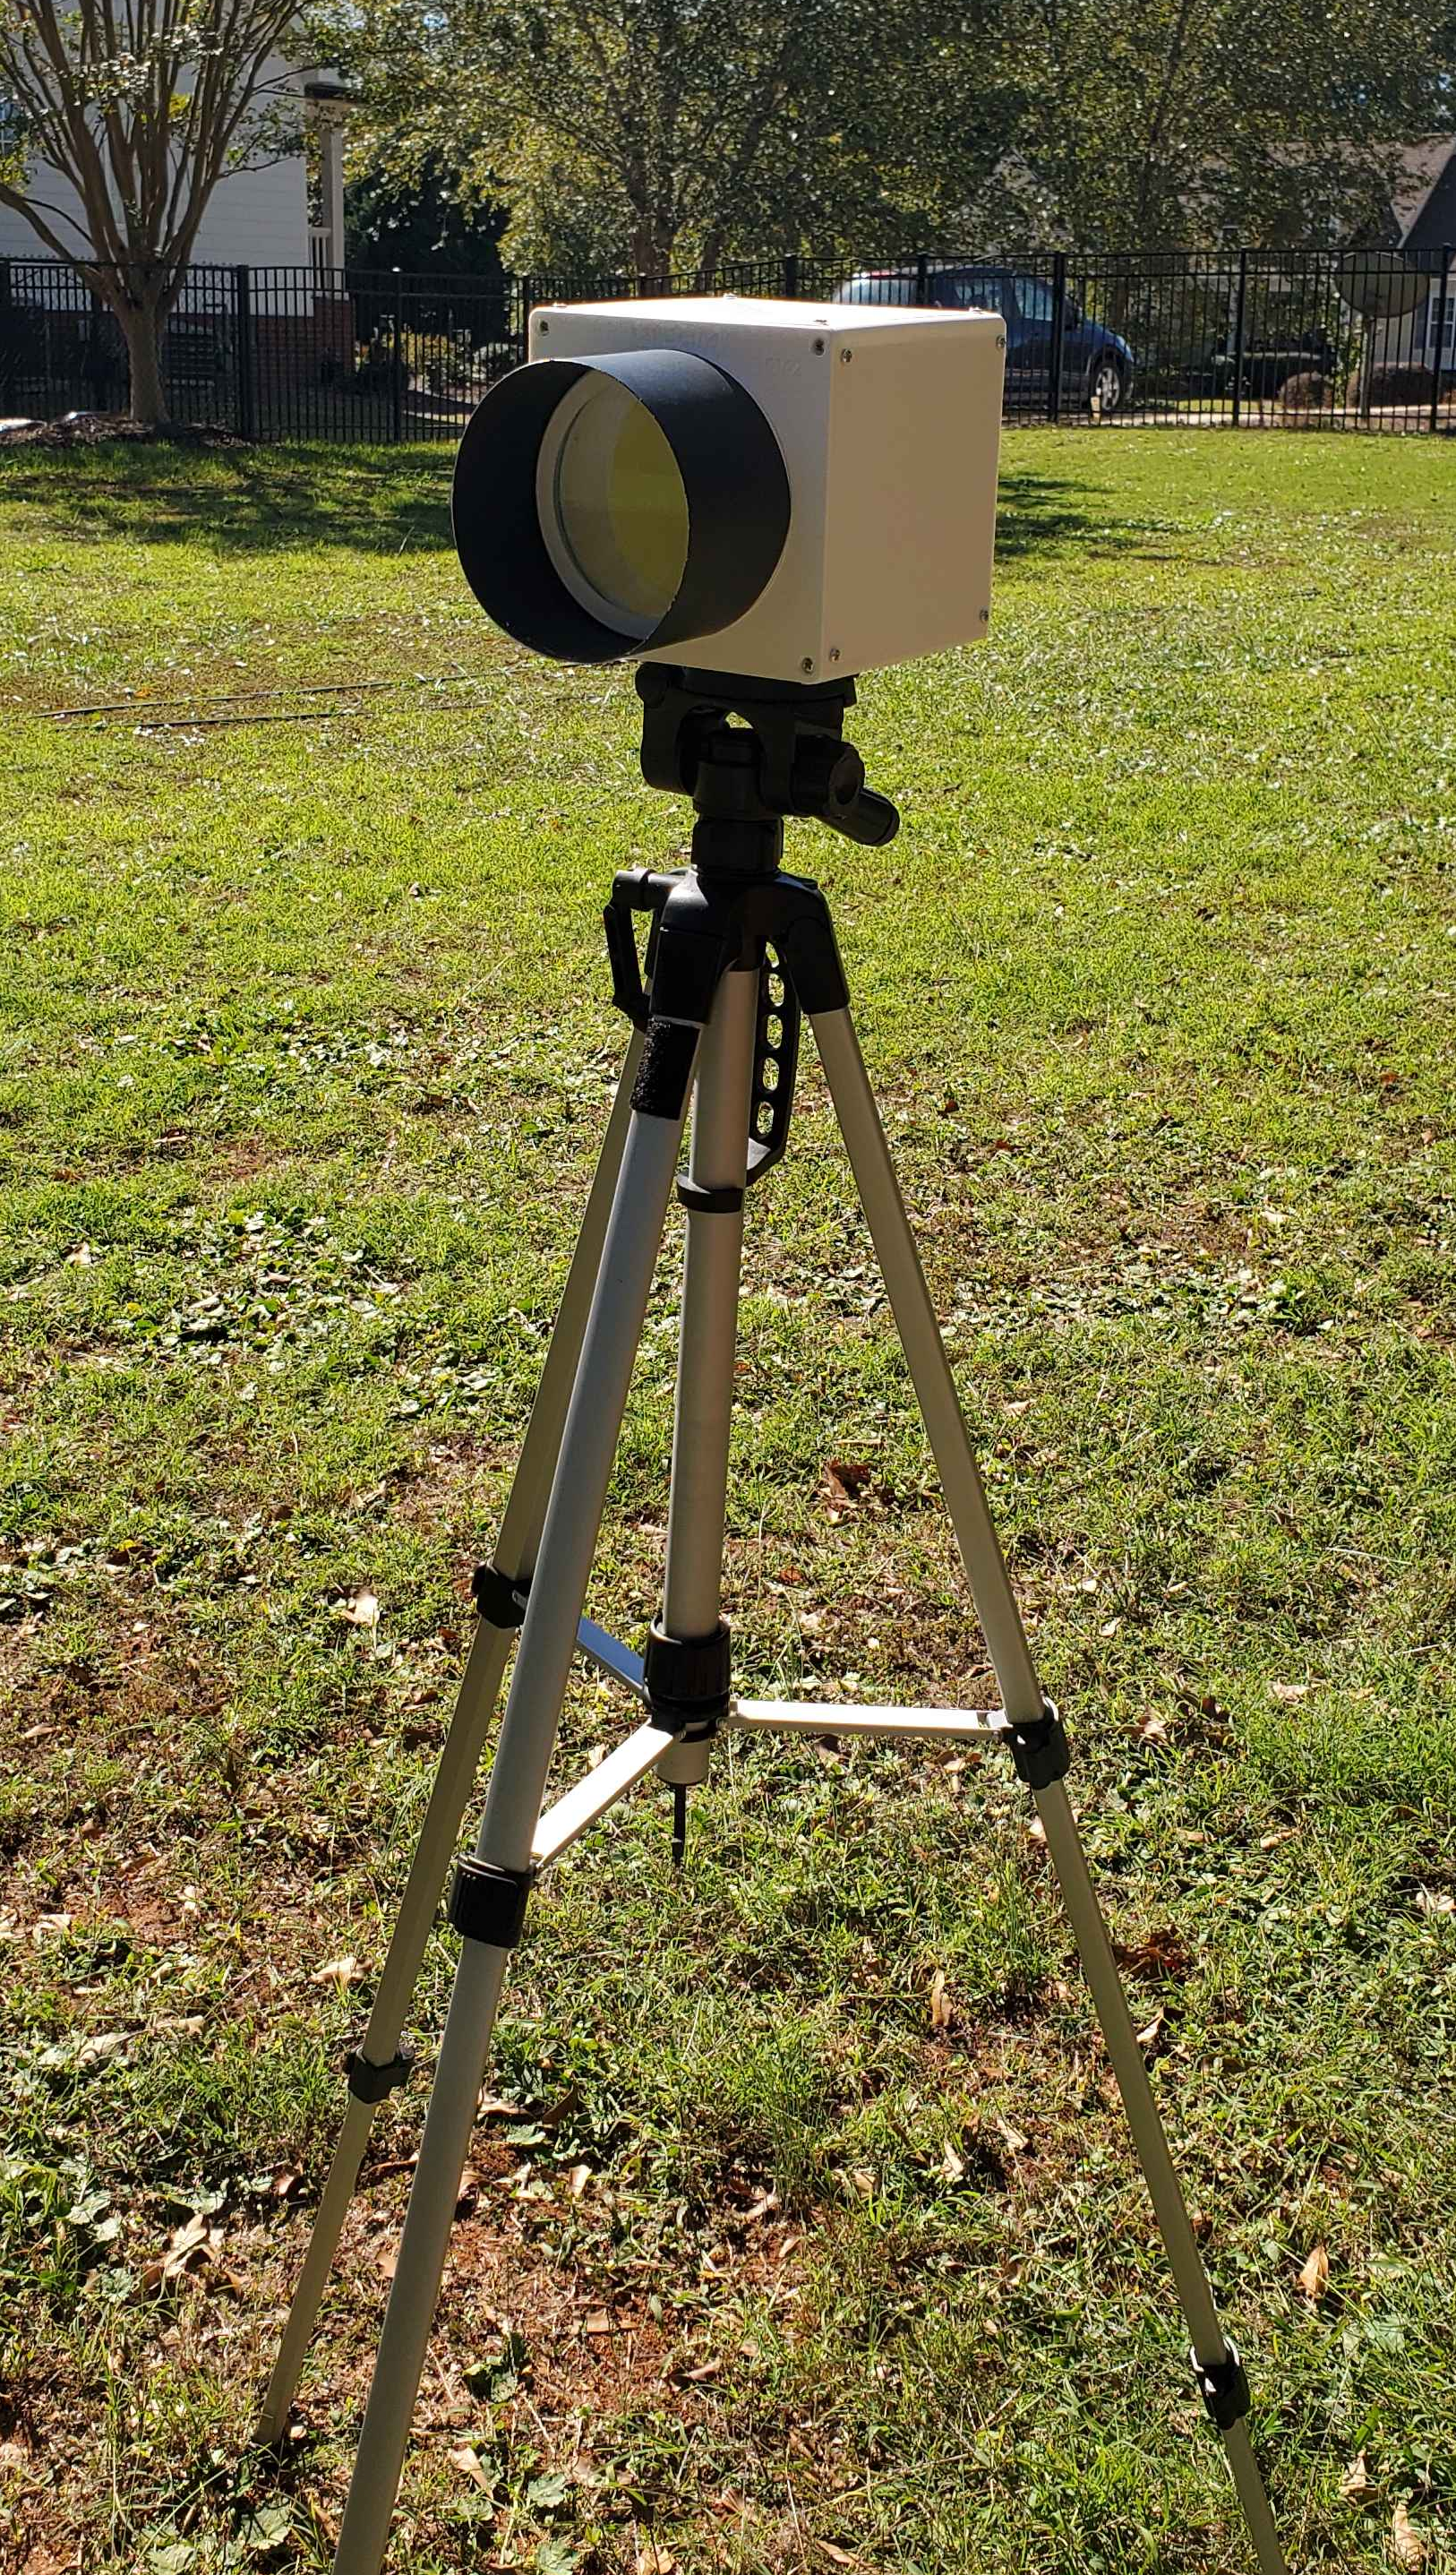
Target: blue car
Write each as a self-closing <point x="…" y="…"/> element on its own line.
<point x="1097" y="366"/>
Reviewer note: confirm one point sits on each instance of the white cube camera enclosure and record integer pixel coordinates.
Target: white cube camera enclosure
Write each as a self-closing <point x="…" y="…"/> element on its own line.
<point x="790" y="491"/>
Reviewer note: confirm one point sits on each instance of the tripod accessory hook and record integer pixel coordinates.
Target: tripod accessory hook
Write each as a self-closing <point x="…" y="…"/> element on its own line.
<point x="488" y="1903"/>
<point x="1224" y="2386"/>
<point x="1040" y="1747"/>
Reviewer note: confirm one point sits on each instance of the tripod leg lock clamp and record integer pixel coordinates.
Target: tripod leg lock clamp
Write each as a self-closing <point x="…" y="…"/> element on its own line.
<point x="1040" y="1749"/>
<point x="1222" y="2386"/>
<point x="687" y="1681"/>
<point x="488" y="1904"/>
<point x="499" y="1597"/>
<point x="370" y="2082"/>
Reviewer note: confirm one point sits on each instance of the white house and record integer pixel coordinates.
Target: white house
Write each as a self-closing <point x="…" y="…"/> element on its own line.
<point x="257" y="218"/>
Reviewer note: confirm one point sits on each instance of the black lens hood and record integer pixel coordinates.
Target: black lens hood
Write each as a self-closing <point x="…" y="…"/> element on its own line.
<point x="732" y="475"/>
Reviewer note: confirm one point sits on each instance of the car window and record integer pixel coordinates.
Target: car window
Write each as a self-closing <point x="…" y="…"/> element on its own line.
<point x="1036" y="299"/>
<point x="976" y="289"/>
<point x="887" y="288"/>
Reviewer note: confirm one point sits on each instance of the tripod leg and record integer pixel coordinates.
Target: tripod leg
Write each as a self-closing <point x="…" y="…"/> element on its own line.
<point x="1216" y="2363"/>
<point x="490" y="1894"/>
<point x="379" y="2065"/>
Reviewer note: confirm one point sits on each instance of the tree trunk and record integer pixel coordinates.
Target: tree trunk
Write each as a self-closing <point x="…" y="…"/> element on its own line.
<point x="651" y="250"/>
<point x="143" y="327"/>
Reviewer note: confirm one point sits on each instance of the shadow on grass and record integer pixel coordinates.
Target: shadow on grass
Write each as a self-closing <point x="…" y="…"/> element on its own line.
<point x="1050" y="514"/>
<point x="267" y="500"/>
<point x="259" y="500"/>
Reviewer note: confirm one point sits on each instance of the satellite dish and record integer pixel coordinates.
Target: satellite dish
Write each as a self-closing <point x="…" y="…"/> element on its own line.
<point x="1381" y="284"/>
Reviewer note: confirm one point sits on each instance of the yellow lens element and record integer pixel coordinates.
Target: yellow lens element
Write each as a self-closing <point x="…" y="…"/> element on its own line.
<point x="620" y="510"/>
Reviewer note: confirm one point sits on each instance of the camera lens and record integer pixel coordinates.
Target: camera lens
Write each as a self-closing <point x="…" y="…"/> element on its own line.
<point x="616" y="501"/>
<point x="613" y="507"/>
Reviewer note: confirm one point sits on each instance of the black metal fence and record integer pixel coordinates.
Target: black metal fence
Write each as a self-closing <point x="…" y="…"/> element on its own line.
<point x="1361" y="340"/>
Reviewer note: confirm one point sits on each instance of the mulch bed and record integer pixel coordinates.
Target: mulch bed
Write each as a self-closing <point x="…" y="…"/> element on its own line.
<point x="101" y="428"/>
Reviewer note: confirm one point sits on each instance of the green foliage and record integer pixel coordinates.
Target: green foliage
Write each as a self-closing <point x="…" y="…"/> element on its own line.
<point x="646" y="136"/>
<point x="1167" y="122"/>
<point x="649" y="135"/>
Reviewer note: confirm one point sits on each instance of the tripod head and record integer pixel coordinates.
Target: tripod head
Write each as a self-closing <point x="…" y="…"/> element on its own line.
<point x="784" y="756"/>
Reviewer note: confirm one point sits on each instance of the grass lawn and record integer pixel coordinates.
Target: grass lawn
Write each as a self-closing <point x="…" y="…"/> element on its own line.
<point x="304" y="1056"/>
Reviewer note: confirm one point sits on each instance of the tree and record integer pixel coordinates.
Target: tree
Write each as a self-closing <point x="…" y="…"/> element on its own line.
<point x="646" y="135"/>
<point x="1162" y="123"/>
<point x="419" y="224"/>
<point x="141" y="106"/>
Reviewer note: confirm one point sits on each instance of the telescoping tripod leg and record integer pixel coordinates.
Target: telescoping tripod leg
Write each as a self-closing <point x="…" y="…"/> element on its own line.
<point x="1040" y="1750"/>
<point x="378" y="2064"/>
<point x="488" y="1903"/>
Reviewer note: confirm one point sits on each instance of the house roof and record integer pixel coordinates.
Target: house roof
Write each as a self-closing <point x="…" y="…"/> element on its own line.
<point x="1433" y="224"/>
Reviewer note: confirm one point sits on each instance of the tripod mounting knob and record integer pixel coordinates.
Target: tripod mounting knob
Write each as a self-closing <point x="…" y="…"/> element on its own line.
<point x="829" y="785"/>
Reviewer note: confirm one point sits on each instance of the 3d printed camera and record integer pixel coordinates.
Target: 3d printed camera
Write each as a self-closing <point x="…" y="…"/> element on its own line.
<point x="788" y="490"/>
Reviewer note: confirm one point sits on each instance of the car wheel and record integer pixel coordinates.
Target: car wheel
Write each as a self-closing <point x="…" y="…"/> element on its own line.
<point x="1105" y="384"/>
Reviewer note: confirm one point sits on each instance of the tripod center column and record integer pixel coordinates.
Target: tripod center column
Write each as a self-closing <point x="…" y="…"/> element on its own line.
<point x="708" y="1349"/>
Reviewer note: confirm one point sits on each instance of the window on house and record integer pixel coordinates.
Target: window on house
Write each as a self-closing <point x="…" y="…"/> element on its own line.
<point x="1442" y="324"/>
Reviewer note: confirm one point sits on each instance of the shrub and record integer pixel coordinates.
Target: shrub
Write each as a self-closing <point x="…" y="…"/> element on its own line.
<point x="1311" y="392"/>
<point x="1391" y="386"/>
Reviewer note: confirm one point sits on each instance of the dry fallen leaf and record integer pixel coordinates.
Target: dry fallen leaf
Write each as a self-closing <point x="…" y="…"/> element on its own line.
<point x="953" y="2165"/>
<point x="185" y="2245"/>
<point x="581" y="2177"/>
<point x="337" y="1972"/>
<point x="1290" y="1691"/>
<point x="1435" y="1900"/>
<point x="941" y="2014"/>
<point x="1314" y="2277"/>
<point x="598" y="2321"/>
<point x="1357" y="2482"/>
<point x="1149" y="2036"/>
<point x="1407" y="2545"/>
<point x="846" y="1478"/>
<point x="1014" y="2137"/>
<point x="837" y="2556"/>
<point x="467" y="2462"/>
<point x="361" y="1611"/>
<point x="652" y="2560"/>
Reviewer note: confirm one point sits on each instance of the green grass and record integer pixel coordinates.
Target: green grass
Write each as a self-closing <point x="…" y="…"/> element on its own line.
<point x="304" y="1057"/>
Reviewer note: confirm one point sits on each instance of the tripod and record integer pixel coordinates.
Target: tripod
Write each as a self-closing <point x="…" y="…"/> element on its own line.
<point x="736" y="951"/>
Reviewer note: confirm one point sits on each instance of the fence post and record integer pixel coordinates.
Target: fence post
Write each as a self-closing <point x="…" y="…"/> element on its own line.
<point x="247" y="352"/>
<point x="1058" y="335"/>
<point x="791" y="277"/>
<point x="397" y="372"/>
<point x="1238" y="337"/>
<point x="1443" y="310"/>
<point x="524" y="328"/>
<point x="922" y="278"/>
